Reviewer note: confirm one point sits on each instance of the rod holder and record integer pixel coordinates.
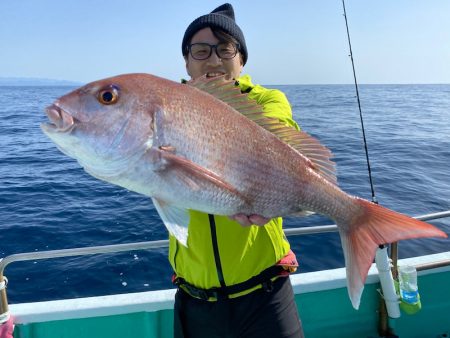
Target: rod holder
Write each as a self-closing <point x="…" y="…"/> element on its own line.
<point x="387" y="283"/>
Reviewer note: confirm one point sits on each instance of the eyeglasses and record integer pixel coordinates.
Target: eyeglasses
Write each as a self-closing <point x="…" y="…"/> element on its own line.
<point x="224" y="50"/>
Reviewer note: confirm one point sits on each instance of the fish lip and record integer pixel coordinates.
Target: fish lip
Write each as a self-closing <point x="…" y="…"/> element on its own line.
<point x="60" y="121"/>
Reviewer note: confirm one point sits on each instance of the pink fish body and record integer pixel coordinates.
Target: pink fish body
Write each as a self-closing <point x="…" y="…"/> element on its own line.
<point x="206" y="147"/>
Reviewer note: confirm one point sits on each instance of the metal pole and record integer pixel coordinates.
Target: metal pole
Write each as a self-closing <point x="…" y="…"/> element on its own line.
<point x="394" y="259"/>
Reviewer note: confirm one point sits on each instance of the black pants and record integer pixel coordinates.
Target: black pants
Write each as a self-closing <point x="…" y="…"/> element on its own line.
<point x="262" y="313"/>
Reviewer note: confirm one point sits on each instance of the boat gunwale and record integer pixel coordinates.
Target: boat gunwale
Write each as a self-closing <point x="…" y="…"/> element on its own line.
<point x="153" y="301"/>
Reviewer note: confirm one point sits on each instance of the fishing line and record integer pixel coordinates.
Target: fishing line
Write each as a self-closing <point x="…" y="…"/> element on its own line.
<point x="374" y="199"/>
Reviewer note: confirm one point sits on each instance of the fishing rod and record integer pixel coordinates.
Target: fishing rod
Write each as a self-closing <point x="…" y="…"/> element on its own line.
<point x="374" y="199"/>
<point x="388" y="302"/>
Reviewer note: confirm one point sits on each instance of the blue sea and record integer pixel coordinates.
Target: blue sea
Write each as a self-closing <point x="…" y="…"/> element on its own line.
<point x="48" y="202"/>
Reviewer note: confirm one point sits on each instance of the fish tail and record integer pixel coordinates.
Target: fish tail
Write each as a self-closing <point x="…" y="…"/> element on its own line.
<point x="374" y="226"/>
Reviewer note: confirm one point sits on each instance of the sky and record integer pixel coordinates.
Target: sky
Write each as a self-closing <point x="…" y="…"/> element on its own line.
<point x="289" y="42"/>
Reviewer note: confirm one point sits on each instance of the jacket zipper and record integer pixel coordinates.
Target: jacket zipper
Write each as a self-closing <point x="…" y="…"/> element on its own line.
<point x="212" y="224"/>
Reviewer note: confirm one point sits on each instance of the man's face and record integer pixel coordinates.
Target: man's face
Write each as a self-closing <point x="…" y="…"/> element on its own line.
<point x="212" y="66"/>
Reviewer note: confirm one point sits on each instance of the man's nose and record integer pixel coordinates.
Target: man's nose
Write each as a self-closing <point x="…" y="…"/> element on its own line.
<point x="214" y="58"/>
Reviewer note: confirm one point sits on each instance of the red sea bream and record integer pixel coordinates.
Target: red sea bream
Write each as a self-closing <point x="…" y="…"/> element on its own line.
<point x="205" y="146"/>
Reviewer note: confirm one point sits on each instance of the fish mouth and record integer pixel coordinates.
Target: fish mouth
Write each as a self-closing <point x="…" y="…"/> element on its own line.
<point x="59" y="120"/>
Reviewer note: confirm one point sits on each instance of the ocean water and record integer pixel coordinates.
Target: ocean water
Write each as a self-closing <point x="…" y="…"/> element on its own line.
<point x="48" y="202"/>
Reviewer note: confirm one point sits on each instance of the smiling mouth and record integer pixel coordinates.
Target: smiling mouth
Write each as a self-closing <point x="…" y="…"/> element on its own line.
<point x="214" y="74"/>
<point x="60" y="121"/>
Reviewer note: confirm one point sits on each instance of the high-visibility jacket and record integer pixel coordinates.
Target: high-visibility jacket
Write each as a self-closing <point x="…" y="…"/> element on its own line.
<point x="243" y="252"/>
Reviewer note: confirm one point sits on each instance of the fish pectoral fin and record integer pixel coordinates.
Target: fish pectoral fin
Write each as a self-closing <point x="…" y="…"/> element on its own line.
<point x="175" y="219"/>
<point x="197" y="177"/>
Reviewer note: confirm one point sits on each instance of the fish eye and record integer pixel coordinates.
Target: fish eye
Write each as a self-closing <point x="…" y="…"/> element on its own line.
<point x="108" y="95"/>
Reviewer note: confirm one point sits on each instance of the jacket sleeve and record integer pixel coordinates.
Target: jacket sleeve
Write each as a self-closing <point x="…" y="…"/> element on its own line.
<point x="274" y="102"/>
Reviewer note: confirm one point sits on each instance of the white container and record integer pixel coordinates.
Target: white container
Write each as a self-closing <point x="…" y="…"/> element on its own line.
<point x="408" y="284"/>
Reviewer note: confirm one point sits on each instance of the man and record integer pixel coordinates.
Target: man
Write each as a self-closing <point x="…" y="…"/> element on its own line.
<point x="232" y="277"/>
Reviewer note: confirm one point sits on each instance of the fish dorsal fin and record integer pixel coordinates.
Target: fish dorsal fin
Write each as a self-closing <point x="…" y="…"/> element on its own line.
<point x="228" y="92"/>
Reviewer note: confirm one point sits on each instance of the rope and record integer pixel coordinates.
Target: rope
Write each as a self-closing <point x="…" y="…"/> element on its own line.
<point x="3" y="283"/>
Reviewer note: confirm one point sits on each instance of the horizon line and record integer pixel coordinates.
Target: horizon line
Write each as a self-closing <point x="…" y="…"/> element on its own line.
<point x="4" y="79"/>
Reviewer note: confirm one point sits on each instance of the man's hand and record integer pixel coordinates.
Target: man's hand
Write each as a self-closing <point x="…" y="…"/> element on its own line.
<point x="247" y="220"/>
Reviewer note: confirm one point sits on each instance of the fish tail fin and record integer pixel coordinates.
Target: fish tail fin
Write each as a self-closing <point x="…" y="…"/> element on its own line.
<point x="375" y="226"/>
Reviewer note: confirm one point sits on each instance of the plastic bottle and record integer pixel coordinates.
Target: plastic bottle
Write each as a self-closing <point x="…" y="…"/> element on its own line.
<point x="408" y="284"/>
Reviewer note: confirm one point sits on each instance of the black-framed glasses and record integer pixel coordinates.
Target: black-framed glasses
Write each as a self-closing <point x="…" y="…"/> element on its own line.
<point x="224" y="50"/>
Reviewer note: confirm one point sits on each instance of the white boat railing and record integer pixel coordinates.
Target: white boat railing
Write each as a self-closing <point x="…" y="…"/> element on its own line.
<point x="163" y="244"/>
<point x="104" y="249"/>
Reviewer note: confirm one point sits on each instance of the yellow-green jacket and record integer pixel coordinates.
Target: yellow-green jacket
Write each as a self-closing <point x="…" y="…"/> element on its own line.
<point x="243" y="251"/>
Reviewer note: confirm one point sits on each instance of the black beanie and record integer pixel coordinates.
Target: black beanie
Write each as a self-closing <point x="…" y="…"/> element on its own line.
<point x="222" y="18"/>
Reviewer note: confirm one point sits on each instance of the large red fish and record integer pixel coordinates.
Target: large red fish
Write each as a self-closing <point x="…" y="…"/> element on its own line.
<point x="205" y="146"/>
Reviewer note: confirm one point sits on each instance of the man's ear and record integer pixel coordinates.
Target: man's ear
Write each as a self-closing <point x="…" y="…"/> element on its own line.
<point x="241" y="57"/>
<point x="186" y="60"/>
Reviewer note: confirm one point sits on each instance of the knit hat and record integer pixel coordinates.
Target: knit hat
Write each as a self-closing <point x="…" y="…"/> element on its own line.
<point x="221" y="18"/>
